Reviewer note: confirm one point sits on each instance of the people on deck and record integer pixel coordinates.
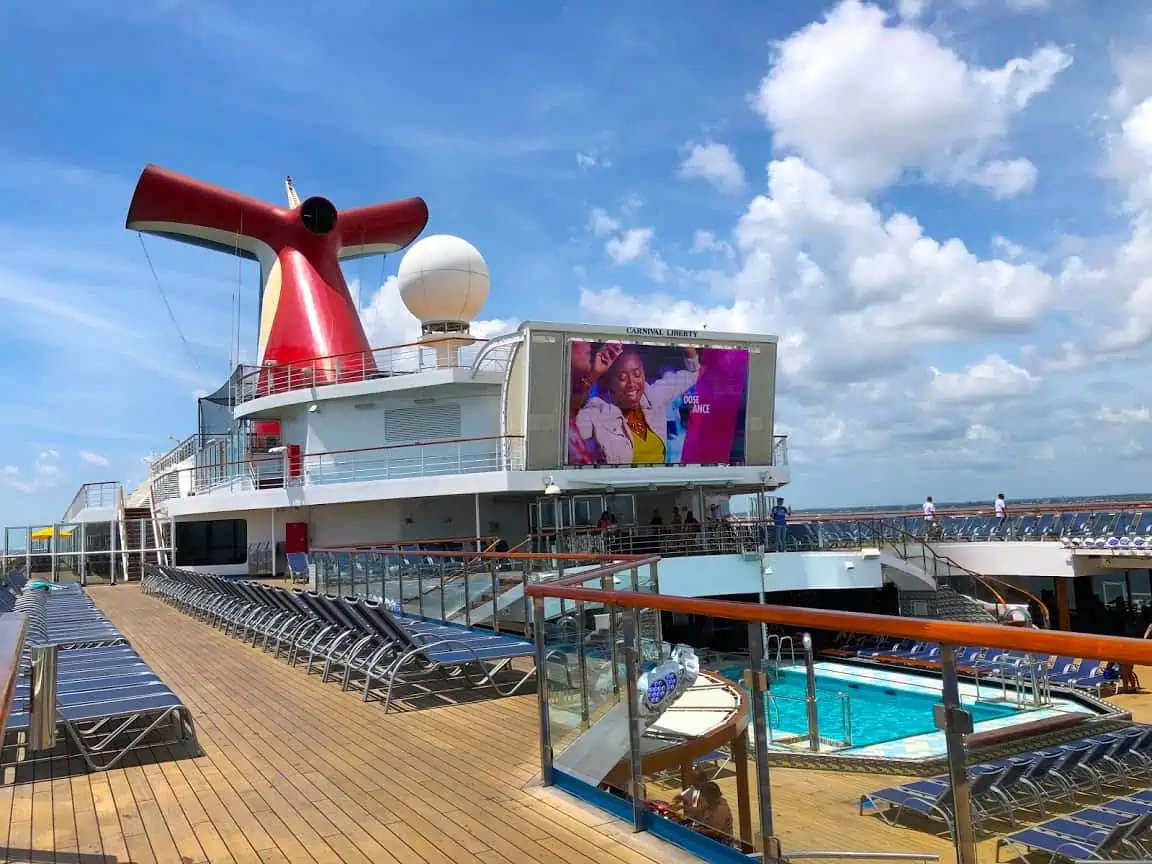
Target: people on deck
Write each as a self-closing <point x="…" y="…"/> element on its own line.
<point x="713" y="810"/>
<point x="780" y="515"/>
<point x="1001" y="511"/>
<point x="688" y="800"/>
<point x="929" y="518"/>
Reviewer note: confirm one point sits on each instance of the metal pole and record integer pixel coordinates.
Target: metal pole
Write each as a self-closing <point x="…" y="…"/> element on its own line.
<point x="607" y="583"/>
<point x="42" y="699"/>
<point x="760" y="737"/>
<point x="810" y="698"/>
<point x="956" y="723"/>
<point x="545" y="730"/>
<point x="632" y="675"/>
<point x="476" y="507"/>
<point x="582" y="662"/>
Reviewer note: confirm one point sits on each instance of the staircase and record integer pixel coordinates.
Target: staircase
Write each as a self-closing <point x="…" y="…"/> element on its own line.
<point x="945" y="604"/>
<point x="138" y="535"/>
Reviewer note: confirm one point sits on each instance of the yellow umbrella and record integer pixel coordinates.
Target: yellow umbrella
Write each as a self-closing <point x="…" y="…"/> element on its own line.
<point x="46" y="533"/>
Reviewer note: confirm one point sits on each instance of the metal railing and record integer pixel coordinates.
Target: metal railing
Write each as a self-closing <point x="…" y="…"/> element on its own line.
<point x="968" y="806"/>
<point x="13" y="628"/>
<point x="462" y="586"/>
<point x="1102" y="527"/>
<point x="255" y="382"/>
<point x="92" y="495"/>
<point x="391" y="462"/>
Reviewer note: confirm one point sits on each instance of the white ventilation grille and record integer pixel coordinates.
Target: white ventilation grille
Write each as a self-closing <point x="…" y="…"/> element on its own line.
<point x="440" y="422"/>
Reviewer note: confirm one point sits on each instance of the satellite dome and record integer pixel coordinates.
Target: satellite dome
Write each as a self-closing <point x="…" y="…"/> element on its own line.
<point x="444" y="283"/>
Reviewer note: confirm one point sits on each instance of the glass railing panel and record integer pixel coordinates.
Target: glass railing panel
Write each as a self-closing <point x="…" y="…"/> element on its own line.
<point x="838" y="744"/>
<point x="697" y="742"/>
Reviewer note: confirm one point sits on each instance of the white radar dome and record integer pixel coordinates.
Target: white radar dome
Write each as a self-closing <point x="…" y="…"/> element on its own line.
<point x="443" y="281"/>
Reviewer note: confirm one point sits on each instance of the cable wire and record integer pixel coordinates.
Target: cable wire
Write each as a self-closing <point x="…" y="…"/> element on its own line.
<point x="167" y="305"/>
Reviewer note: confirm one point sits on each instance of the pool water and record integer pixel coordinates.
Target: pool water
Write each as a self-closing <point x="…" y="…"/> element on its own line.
<point x="878" y="712"/>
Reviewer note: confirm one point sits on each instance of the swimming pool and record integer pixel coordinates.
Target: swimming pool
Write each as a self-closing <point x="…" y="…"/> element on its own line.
<point x="876" y="712"/>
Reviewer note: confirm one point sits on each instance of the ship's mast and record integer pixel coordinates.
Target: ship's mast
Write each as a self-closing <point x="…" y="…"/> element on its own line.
<point x="290" y="188"/>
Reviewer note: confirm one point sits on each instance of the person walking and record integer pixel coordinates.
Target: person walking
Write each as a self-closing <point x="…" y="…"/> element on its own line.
<point x="1001" y="512"/>
<point x="929" y="518"/>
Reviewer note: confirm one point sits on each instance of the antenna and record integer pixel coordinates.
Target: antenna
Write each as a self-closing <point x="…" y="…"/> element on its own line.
<point x="290" y="188"/>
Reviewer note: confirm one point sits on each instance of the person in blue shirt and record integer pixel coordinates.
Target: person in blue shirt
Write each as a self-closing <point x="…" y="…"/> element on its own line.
<point x="780" y="515"/>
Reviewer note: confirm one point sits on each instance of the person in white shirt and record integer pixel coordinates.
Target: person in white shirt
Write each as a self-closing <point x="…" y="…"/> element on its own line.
<point x="929" y="517"/>
<point x="1001" y="508"/>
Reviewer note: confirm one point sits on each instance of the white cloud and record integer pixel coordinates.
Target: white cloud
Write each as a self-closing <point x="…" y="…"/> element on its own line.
<point x="1005" y="178"/>
<point x="587" y="160"/>
<point x="95" y="459"/>
<point x="992" y="379"/>
<point x="715" y="163"/>
<point x="1124" y="416"/>
<point x="865" y="99"/>
<point x="601" y="224"/>
<point x="44" y="474"/>
<point x="707" y="241"/>
<point x="629" y="246"/>
<point x="911" y="10"/>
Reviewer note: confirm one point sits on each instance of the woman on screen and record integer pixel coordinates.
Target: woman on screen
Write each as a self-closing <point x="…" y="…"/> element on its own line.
<point x="629" y="427"/>
<point x="589" y="361"/>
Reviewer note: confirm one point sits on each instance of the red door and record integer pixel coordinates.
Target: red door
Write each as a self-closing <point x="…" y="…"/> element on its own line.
<point x="295" y="537"/>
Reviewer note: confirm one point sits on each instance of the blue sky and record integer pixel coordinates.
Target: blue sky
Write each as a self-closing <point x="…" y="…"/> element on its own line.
<point x="938" y="205"/>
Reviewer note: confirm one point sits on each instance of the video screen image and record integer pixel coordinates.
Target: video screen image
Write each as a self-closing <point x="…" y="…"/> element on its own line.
<point x="656" y="404"/>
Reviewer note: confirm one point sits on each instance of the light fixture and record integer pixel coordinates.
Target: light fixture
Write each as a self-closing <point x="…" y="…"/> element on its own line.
<point x="313" y="408"/>
<point x="550" y="487"/>
<point x="279" y="451"/>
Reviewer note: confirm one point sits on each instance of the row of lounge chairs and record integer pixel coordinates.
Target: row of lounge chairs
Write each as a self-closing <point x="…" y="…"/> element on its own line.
<point x="108" y="701"/>
<point x="1090" y="675"/>
<point x="345" y="636"/>
<point x="1100" y="766"/>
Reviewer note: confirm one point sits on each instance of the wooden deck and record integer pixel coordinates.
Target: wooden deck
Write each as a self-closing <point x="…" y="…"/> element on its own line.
<point x="296" y="771"/>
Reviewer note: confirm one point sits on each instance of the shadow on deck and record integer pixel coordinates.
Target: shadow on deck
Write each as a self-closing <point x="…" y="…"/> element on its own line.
<point x="294" y="770"/>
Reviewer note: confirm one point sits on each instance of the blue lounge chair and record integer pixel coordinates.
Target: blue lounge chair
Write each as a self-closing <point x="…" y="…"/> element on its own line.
<point x="417" y="646"/>
<point x="1078" y="840"/>
<point x="106" y="725"/>
<point x="933" y="799"/>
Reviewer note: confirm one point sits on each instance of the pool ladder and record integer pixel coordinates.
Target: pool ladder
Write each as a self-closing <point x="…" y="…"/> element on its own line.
<point x="775" y="734"/>
<point x="1029" y="680"/>
<point x="780" y="643"/>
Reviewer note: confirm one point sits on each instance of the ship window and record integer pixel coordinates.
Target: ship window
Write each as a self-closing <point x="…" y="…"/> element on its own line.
<point x="213" y="543"/>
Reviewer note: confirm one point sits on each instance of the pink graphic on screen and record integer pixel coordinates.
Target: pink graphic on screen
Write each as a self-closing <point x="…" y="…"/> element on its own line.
<point x="715" y="431"/>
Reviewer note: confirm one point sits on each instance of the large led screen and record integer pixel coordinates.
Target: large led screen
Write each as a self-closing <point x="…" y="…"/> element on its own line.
<point x="656" y="404"/>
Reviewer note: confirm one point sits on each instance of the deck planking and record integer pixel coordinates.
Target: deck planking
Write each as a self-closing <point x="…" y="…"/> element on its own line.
<point x="293" y="770"/>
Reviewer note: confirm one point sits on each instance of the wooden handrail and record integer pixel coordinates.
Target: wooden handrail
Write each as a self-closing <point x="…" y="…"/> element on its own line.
<point x="1083" y="645"/>
<point x="618" y="564"/>
<point x="12" y="631"/>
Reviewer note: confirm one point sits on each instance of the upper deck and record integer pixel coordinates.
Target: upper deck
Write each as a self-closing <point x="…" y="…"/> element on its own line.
<point x="503" y="414"/>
